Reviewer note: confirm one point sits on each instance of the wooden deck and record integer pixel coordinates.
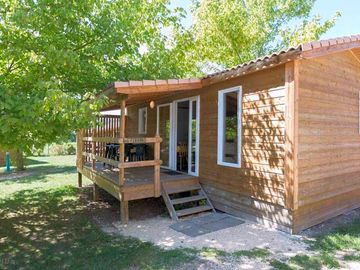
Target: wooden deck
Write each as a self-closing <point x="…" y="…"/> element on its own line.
<point x="139" y="182"/>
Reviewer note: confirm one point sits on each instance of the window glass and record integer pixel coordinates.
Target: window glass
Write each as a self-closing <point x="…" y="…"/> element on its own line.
<point x="230" y="130"/>
<point x="142" y="120"/>
<point x="229" y="127"/>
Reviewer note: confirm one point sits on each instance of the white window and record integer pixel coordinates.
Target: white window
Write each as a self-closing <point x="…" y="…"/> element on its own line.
<point x="229" y="127"/>
<point x="142" y="120"/>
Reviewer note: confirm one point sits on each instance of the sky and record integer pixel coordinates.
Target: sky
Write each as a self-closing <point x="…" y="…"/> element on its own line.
<point x="347" y="24"/>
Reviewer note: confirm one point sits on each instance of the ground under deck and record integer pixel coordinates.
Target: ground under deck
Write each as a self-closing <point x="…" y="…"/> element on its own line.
<point x="139" y="182"/>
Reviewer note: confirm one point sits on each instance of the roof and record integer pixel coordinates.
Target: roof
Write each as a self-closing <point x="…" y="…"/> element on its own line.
<point x="303" y="51"/>
<point x="302" y="48"/>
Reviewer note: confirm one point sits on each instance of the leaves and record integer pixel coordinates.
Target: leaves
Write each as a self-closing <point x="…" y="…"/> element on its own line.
<point x="56" y="55"/>
<point x="229" y="32"/>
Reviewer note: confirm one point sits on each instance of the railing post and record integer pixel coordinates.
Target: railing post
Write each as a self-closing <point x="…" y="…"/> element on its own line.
<point x="157" y="187"/>
<point x="93" y="150"/>
<point x="79" y="154"/>
<point x="124" y="206"/>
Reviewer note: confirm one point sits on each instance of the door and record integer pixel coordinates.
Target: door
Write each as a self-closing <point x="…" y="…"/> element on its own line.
<point x="185" y="148"/>
<point x="164" y="128"/>
<point x="194" y="127"/>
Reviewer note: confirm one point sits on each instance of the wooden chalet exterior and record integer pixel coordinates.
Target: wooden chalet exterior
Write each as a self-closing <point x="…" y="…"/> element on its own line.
<point x="274" y="141"/>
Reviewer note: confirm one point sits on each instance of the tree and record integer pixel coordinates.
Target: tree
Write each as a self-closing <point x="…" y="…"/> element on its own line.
<point x="229" y="32"/>
<point x="55" y="55"/>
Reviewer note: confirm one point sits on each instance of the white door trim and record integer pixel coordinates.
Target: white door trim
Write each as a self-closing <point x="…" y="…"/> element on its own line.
<point x="197" y="140"/>
<point x="171" y="128"/>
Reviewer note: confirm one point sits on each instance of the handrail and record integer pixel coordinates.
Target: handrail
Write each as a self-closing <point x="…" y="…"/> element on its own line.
<point x="92" y="146"/>
<point x="97" y="142"/>
<point x="138" y="140"/>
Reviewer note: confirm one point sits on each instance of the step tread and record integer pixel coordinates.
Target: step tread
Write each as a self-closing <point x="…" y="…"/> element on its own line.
<point x="182" y="189"/>
<point x="193" y="210"/>
<point x="188" y="199"/>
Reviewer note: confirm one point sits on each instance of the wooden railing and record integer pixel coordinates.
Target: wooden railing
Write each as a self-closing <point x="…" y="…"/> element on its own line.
<point x="92" y="145"/>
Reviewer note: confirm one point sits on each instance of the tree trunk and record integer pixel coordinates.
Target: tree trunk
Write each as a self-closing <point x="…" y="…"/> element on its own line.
<point x="19" y="160"/>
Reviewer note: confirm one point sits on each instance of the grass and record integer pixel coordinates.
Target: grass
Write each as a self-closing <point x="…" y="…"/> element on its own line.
<point x="252" y="253"/>
<point x="344" y="240"/>
<point x="44" y="224"/>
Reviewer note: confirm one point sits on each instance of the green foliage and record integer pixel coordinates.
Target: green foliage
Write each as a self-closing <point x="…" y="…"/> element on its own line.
<point x="252" y="253"/>
<point x="62" y="149"/>
<point x="47" y="225"/>
<point x="56" y="55"/>
<point x="229" y="32"/>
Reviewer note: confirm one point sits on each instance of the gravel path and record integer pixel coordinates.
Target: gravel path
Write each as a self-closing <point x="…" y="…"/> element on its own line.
<point x="242" y="237"/>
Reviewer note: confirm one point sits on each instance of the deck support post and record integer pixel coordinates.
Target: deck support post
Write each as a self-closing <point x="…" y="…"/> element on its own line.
<point x="79" y="179"/>
<point x="124" y="212"/>
<point x="95" y="192"/>
<point x="157" y="188"/>
<point x="124" y="205"/>
<point x="79" y="154"/>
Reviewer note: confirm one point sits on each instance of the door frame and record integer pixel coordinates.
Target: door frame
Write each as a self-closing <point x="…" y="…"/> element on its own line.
<point x="197" y="140"/>
<point x="173" y="133"/>
<point x="171" y="128"/>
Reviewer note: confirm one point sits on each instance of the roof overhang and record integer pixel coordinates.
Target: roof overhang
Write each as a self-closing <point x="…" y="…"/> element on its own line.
<point x="140" y="91"/>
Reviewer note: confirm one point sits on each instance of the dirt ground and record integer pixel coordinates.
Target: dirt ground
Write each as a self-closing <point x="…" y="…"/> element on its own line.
<point x="149" y="221"/>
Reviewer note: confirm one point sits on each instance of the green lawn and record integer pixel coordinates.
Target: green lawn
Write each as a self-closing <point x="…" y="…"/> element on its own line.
<point x="45" y="224"/>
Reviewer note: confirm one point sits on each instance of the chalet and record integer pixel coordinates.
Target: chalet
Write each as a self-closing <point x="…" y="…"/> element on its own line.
<point x="275" y="140"/>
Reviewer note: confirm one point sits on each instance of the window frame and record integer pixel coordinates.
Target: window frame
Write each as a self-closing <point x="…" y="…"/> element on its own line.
<point x="140" y="131"/>
<point x="221" y="118"/>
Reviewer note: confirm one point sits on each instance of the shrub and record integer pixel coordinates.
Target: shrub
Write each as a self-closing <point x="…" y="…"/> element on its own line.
<point x="62" y="149"/>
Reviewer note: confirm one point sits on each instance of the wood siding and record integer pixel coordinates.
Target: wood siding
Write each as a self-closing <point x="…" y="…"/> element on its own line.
<point x="256" y="191"/>
<point x="329" y="140"/>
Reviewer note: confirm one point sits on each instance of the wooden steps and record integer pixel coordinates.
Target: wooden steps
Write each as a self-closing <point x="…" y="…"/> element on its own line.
<point x="185" y="197"/>
<point x="193" y="210"/>
<point x="188" y="199"/>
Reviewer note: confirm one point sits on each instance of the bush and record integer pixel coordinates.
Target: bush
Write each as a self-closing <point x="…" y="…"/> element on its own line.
<point x="71" y="149"/>
<point x="56" y="150"/>
<point x="62" y="149"/>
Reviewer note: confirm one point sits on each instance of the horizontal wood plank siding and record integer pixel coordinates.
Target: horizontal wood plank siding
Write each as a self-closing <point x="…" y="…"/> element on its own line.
<point x="260" y="180"/>
<point x="329" y="140"/>
<point x="256" y="191"/>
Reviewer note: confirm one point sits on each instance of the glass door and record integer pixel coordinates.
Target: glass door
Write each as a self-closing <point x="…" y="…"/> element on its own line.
<point x="164" y="131"/>
<point x="193" y="157"/>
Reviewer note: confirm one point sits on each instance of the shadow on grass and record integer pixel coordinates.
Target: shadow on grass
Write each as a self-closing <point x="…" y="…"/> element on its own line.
<point x="344" y="239"/>
<point x="32" y="161"/>
<point x="51" y="229"/>
<point x="37" y="174"/>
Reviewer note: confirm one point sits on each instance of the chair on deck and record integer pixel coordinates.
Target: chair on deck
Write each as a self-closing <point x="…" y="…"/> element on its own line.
<point x="112" y="151"/>
<point x="128" y="152"/>
<point x="140" y="152"/>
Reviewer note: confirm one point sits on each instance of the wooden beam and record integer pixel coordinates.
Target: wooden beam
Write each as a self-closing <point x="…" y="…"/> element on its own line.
<point x="123" y="140"/>
<point x="79" y="148"/>
<point x="79" y="179"/>
<point x="108" y="161"/>
<point x="124" y="211"/>
<point x="291" y="135"/>
<point x="141" y="88"/>
<point x="137" y="164"/>
<point x="124" y="205"/>
<point x="95" y="192"/>
<point x="157" y="184"/>
<point x="101" y="181"/>
<point x="93" y="148"/>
